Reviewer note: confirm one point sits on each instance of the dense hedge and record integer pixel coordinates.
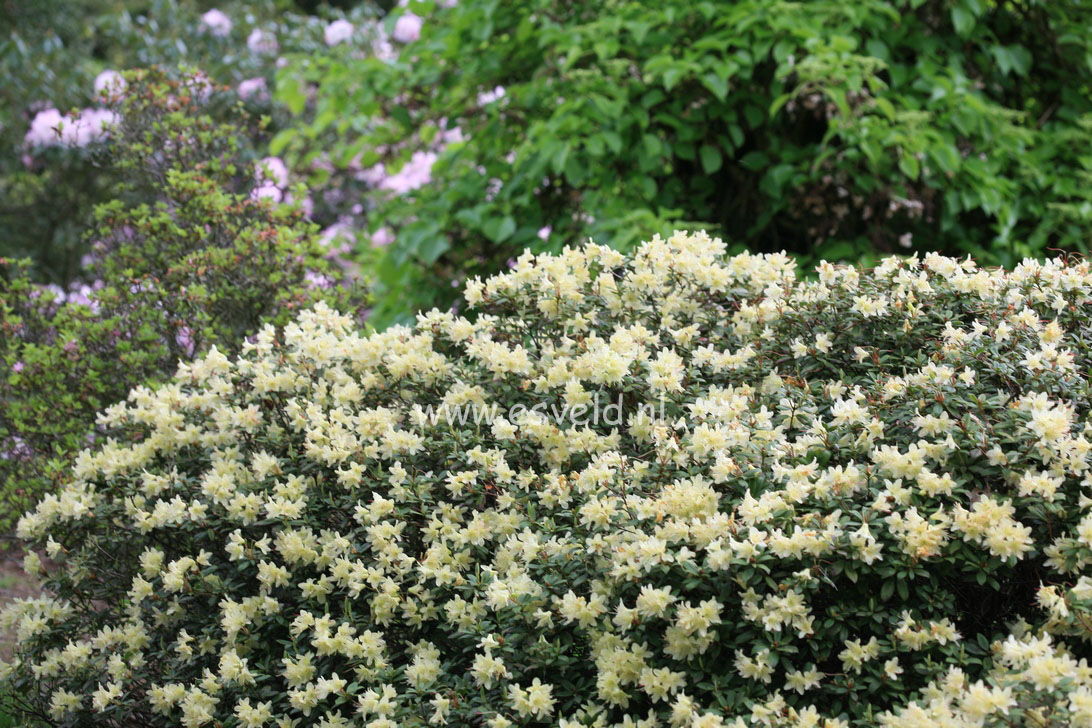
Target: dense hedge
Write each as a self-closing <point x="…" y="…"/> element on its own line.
<point x="185" y="259"/>
<point x="828" y="129"/>
<point x="858" y="500"/>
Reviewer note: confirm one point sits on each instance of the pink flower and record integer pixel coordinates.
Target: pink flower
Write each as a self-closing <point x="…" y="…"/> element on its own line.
<point x="415" y="173"/>
<point x="184" y="338"/>
<point x="253" y="87"/>
<point x="407" y="29"/>
<point x="323" y="163"/>
<point x="199" y="85"/>
<point x="82" y="295"/>
<point x="382" y="237"/>
<point x="306" y="204"/>
<point x="90" y="126"/>
<point x="267" y="192"/>
<point x="19" y="451"/>
<point x="452" y="136"/>
<point x="272" y="169"/>
<point x="383" y="49"/>
<point x="488" y="97"/>
<point x="42" y="130"/>
<point x="216" y="23"/>
<point x="271" y="180"/>
<point x="18" y="367"/>
<point x="109" y="83"/>
<point x="544" y="232"/>
<point x="317" y="280"/>
<point x="261" y="41"/>
<point x="338" y="31"/>
<point x="341" y="233"/>
<point x="373" y="176"/>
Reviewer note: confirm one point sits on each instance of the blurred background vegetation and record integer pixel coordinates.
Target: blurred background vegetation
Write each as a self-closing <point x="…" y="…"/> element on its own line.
<point x="830" y="130"/>
<point x="403" y="147"/>
<point x="51" y="53"/>
<point x="833" y="130"/>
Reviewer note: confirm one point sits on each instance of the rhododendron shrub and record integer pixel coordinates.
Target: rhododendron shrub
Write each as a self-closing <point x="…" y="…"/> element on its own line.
<point x="56" y="57"/>
<point x="856" y="500"/>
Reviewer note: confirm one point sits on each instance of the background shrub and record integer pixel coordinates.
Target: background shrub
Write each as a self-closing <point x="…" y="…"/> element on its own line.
<point x="818" y="501"/>
<point x="53" y="55"/>
<point x="187" y="258"/>
<point x="826" y="130"/>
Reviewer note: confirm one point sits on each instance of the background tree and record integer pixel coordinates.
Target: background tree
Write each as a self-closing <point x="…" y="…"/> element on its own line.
<point x="828" y="129"/>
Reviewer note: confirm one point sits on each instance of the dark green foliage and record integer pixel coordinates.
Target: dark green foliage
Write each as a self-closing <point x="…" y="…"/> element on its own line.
<point x="187" y="261"/>
<point x="829" y="129"/>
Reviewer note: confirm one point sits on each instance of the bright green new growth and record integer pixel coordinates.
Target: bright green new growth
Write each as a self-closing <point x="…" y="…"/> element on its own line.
<point x="819" y="502"/>
<point x="188" y="261"/>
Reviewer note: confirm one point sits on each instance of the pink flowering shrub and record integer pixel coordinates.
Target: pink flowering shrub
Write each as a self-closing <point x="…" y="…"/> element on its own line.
<point x="187" y="259"/>
<point x="216" y="22"/>
<point x="50" y="127"/>
<point x="338" y="31"/>
<point x="58" y="58"/>
<point x="407" y="28"/>
<point x="262" y="41"/>
<point x="674" y="489"/>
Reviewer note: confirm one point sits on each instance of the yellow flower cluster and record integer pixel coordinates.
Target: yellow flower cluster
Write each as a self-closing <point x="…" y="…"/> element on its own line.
<point x="796" y="488"/>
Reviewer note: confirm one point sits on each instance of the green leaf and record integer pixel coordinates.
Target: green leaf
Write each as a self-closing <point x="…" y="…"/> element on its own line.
<point x="710" y="158"/>
<point x="1012" y="58"/>
<point x="653" y="97"/>
<point x="886" y="108"/>
<point x="499" y="229"/>
<point x="432" y="248"/>
<point x="887" y="590"/>
<point x="775" y="179"/>
<point x="559" y="159"/>
<point x="413" y="239"/>
<point x="946" y="157"/>
<point x="281" y="141"/>
<point x="736" y="132"/>
<point x="778" y="103"/>
<point x="470" y="216"/>
<point x="753" y="114"/>
<point x="293" y="95"/>
<point x="652" y="145"/>
<point x="962" y="20"/>
<point x="672" y="76"/>
<point x="754" y="160"/>
<point x="717" y="85"/>
<point x="908" y="163"/>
